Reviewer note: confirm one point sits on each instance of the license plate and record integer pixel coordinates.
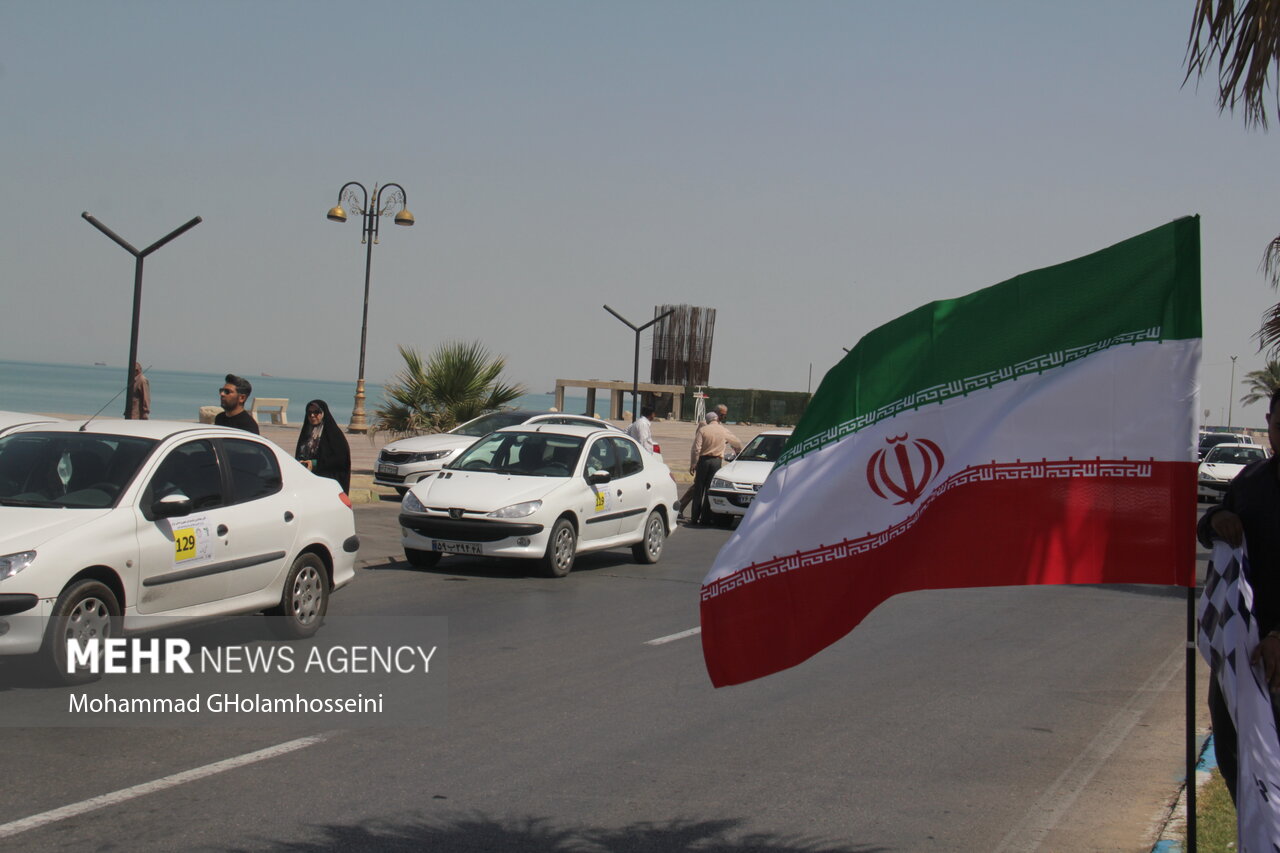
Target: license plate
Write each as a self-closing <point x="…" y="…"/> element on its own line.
<point x="384" y="468"/>
<point x="746" y="499"/>
<point x="457" y="547"/>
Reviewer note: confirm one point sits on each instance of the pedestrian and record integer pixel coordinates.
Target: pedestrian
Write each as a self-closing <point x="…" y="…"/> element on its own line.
<point x="705" y="459"/>
<point x="139" y="408"/>
<point x="642" y="430"/>
<point x="322" y="447"/>
<point x="232" y="395"/>
<point x="1248" y="514"/>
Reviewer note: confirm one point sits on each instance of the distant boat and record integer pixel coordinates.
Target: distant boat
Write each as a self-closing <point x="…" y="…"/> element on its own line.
<point x="268" y="375"/>
<point x="99" y="364"/>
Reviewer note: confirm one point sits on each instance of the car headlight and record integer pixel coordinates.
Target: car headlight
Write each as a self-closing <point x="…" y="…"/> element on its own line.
<point x="411" y="503"/>
<point x="430" y="455"/>
<point x="1206" y="477"/>
<point x="517" y="510"/>
<point x="717" y="483"/>
<point x="11" y="564"/>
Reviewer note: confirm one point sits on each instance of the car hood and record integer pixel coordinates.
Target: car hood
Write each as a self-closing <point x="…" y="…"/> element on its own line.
<point x="28" y="528"/>
<point x="427" y="443"/>
<point x="750" y="473"/>
<point x="484" y="492"/>
<point x="1220" y="470"/>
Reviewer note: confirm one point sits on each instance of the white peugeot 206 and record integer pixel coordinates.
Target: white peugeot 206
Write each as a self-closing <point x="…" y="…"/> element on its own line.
<point x="735" y="485"/>
<point x="114" y="527"/>
<point x="545" y="492"/>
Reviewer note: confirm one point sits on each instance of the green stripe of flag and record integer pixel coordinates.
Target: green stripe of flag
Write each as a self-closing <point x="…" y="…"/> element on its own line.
<point x="1145" y="288"/>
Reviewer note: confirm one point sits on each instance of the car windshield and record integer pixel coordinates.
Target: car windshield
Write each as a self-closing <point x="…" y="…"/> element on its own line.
<point x="68" y="469"/>
<point x="763" y="448"/>
<point x="1234" y="455"/>
<point x="526" y="454"/>
<point x="486" y="424"/>
<point x="1214" y="439"/>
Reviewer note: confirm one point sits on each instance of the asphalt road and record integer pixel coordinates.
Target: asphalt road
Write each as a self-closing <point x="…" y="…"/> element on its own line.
<point x="1017" y="719"/>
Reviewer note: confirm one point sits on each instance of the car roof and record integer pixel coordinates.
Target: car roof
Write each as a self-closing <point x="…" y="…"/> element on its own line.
<point x="1230" y="446"/>
<point x="781" y="431"/>
<point x="142" y="429"/>
<point x="578" y="430"/>
<point x="13" y="419"/>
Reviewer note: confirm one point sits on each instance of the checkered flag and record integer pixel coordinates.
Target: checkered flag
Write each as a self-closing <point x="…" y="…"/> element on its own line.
<point x="1227" y="636"/>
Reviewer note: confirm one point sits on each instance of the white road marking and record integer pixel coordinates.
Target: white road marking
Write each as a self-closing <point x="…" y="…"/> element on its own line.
<point x="671" y="638"/>
<point x="125" y="794"/>
<point x="1043" y="817"/>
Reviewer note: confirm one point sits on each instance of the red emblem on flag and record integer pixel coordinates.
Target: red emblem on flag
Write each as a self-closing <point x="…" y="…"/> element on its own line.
<point x="916" y="465"/>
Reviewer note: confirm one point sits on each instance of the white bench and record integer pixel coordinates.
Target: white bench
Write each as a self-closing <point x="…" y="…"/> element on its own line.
<point x="275" y="407"/>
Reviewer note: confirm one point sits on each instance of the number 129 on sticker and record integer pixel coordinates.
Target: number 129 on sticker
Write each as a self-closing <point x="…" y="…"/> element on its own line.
<point x="184" y="544"/>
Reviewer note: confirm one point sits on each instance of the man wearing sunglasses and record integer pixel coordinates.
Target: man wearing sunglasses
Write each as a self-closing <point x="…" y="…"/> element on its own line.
<point x="232" y="395"/>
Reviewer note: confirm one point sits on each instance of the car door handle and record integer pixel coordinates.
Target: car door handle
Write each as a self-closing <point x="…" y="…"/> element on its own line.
<point x="288" y="516"/>
<point x="222" y="530"/>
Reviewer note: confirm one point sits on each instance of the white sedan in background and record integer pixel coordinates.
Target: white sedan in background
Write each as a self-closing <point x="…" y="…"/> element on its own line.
<point x="120" y="526"/>
<point x="1220" y="466"/>
<point x="543" y="492"/>
<point x="735" y="485"/>
<point x="407" y="461"/>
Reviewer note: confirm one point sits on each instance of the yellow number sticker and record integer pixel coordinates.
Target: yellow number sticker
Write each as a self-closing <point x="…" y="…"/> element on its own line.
<point x="599" y="501"/>
<point x="184" y="544"/>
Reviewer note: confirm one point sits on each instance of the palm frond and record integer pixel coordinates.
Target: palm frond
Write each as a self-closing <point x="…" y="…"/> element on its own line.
<point x="1244" y="40"/>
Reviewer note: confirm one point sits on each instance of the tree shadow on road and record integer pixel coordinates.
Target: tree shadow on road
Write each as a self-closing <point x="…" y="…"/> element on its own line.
<point x="539" y="835"/>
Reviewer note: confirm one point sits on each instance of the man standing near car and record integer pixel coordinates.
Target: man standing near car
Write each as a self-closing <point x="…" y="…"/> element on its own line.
<point x="705" y="460"/>
<point x="232" y="396"/>
<point x="1248" y="513"/>
<point x="641" y="430"/>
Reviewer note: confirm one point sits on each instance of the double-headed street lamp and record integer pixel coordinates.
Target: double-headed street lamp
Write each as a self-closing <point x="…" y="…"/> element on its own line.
<point x="635" y="376"/>
<point x="139" y="255"/>
<point x="368" y="235"/>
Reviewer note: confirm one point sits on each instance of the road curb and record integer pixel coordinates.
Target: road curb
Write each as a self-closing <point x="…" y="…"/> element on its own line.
<point x="1175" y="822"/>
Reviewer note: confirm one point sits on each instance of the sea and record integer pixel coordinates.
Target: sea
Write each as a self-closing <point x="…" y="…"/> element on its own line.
<point x="83" y="389"/>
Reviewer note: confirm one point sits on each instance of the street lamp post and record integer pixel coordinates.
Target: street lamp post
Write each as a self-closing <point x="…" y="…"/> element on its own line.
<point x="635" y="375"/>
<point x="139" y="257"/>
<point x="1231" y="390"/>
<point x="368" y="235"/>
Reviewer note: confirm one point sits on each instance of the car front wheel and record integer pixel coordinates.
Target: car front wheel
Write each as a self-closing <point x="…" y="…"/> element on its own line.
<point x="304" y="600"/>
<point x="86" y="611"/>
<point x="561" y="549"/>
<point x="649" y="549"/>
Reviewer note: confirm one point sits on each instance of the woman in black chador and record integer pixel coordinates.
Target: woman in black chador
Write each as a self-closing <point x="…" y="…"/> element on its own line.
<point x="322" y="447"/>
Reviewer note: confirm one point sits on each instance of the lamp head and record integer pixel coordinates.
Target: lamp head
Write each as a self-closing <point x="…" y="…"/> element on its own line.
<point x="404" y="217"/>
<point x="337" y="214"/>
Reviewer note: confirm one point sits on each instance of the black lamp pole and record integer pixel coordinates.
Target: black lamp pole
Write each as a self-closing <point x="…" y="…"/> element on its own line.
<point x="635" y="376"/>
<point x="138" y="256"/>
<point x="371" y="213"/>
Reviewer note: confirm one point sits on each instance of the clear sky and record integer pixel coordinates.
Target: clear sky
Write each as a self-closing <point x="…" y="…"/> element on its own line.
<point x="809" y="169"/>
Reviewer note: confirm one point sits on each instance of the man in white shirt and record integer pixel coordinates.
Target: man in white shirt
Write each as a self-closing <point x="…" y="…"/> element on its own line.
<point x="641" y="430"/>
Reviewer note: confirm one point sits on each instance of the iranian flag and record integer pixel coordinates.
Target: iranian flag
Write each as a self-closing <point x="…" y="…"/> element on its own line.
<point x="1039" y="431"/>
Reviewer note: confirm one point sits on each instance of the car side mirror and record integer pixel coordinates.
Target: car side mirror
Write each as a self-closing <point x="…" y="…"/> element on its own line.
<point x="599" y="477"/>
<point x="172" y="506"/>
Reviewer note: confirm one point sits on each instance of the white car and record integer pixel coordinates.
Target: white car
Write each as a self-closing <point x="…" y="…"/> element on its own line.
<point x="735" y="485"/>
<point x="134" y="525"/>
<point x="10" y="421"/>
<point x="403" y="463"/>
<point x="544" y="492"/>
<point x="1220" y="466"/>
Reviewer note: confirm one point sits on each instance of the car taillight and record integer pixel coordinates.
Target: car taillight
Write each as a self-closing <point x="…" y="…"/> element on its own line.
<point x="657" y="448"/>
<point x="346" y="500"/>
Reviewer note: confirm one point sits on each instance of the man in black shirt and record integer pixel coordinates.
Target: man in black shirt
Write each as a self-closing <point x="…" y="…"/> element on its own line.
<point x="1250" y="512"/>
<point x="232" y="395"/>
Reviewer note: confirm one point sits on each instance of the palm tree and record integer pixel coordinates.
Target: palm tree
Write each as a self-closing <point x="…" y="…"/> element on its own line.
<point x="456" y="383"/>
<point x="1262" y="383"/>
<point x="1243" y="36"/>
